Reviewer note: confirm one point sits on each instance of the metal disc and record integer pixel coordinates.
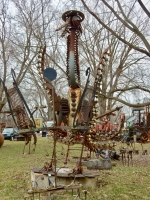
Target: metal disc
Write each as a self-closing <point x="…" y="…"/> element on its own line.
<point x="50" y="74"/>
<point x="73" y="13"/>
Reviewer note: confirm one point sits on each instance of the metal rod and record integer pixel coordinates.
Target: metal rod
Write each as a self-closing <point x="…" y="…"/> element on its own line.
<point x="53" y="93"/>
<point x="53" y="96"/>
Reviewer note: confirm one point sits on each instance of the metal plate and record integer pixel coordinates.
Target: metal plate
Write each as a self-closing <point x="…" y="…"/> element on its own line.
<point x="50" y="74"/>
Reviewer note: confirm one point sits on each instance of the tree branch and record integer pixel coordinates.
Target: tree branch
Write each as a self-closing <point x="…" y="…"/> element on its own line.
<point x="138" y="105"/>
<point x="130" y="88"/>
<point x="114" y="33"/>
<point x="144" y="8"/>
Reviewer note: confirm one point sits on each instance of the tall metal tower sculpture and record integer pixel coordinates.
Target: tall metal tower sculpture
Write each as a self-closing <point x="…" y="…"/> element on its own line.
<point x="80" y="109"/>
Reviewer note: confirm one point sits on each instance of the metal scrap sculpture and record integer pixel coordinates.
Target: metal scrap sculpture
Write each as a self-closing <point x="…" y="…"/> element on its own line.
<point x="21" y="114"/>
<point x="79" y="111"/>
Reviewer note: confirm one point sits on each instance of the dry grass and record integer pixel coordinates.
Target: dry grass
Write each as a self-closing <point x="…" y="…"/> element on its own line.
<point x="121" y="182"/>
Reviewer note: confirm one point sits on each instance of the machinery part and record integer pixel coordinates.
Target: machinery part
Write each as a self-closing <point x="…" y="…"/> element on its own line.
<point x="18" y="108"/>
<point x="63" y="112"/>
<point x="9" y="103"/>
<point x="98" y="80"/>
<point x="83" y="103"/>
<point x="74" y="96"/>
<point x="64" y="106"/>
<point x="144" y="137"/>
<point x="24" y="102"/>
<point x="73" y="13"/>
<point x="73" y="27"/>
<point x="48" y="87"/>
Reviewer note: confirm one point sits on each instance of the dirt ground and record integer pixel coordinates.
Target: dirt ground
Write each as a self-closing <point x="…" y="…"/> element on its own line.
<point x="136" y="160"/>
<point x="141" y="160"/>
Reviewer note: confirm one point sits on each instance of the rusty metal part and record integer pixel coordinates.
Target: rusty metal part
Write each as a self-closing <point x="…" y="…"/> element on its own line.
<point x="65" y="106"/>
<point x="72" y="61"/>
<point x="22" y="119"/>
<point x="18" y="108"/>
<point x="82" y="109"/>
<point x="148" y="133"/>
<point x="98" y="79"/>
<point x="43" y="57"/>
<point x="74" y="96"/>
<point x="72" y="13"/>
<point x="72" y="18"/>
<point x="144" y="137"/>
<point x="62" y="114"/>
<point x="47" y="85"/>
<point x="1" y="139"/>
<point x="83" y="104"/>
<point x="73" y="28"/>
<point x="57" y="99"/>
<point x="59" y="105"/>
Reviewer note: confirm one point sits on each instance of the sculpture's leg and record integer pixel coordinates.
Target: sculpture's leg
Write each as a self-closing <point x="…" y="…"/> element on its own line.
<point x="35" y="140"/>
<point x="26" y="142"/>
<point x="29" y="146"/>
<point x="67" y="154"/>
<point x="24" y="148"/>
<point x="128" y="157"/>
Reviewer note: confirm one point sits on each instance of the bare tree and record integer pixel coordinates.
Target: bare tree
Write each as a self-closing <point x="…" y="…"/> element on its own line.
<point x="16" y="48"/>
<point x="5" y="45"/>
<point x="34" y="24"/>
<point x="133" y="23"/>
<point x="124" y="72"/>
<point x="38" y="20"/>
<point x="23" y="32"/>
